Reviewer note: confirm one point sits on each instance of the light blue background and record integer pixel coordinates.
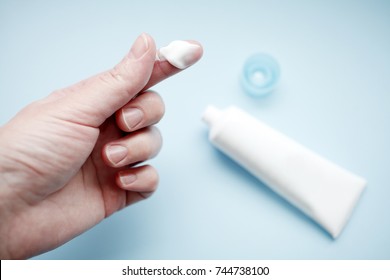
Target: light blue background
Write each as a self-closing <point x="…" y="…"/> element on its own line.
<point x="334" y="97"/>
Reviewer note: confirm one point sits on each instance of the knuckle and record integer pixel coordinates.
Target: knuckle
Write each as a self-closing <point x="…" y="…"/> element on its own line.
<point x="153" y="178"/>
<point x="155" y="132"/>
<point x="147" y="145"/>
<point x="112" y="76"/>
<point x="154" y="102"/>
<point x="157" y="140"/>
<point x="146" y="152"/>
<point x="58" y="93"/>
<point x="143" y="151"/>
<point x="158" y="105"/>
<point x="155" y="181"/>
<point x="160" y="110"/>
<point x="151" y="181"/>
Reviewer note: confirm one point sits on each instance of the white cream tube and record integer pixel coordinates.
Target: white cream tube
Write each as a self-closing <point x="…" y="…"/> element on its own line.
<point x="324" y="191"/>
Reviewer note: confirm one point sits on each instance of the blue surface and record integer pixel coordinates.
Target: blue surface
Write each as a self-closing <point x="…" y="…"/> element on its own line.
<point x="333" y="96"/>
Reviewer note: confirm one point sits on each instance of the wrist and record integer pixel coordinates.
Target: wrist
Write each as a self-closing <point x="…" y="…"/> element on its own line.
<point x="11" y="207"/>
<point x="12" y="181"/>
<point x="6" y="190"/>
<point x="5" y="198"/>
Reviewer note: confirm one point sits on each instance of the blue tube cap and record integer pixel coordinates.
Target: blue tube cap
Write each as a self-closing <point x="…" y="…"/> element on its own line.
<point x="260" y="74"/>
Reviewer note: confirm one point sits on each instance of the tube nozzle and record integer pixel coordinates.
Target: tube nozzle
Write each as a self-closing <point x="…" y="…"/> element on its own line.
<point x="211" y="115"/>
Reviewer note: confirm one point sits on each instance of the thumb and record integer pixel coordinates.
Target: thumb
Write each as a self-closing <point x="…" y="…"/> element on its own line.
<point x="92" y="101"/>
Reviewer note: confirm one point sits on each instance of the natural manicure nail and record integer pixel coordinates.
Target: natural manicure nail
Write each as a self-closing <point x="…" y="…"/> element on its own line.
<point x="127" y="179"/>
<point x="132" y="117"/>
<point x="139" y="47"/>
<point x="116" y="153"/>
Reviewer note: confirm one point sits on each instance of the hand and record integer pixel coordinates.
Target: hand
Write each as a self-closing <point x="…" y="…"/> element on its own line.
<point x="67" y="161"/>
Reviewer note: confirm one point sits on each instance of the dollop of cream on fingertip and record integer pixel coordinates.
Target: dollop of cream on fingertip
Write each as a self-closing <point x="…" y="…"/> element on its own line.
<point x="180" y="54"/>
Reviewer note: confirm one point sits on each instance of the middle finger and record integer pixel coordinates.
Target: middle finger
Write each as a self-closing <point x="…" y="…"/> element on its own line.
<point x="133" y="148"/>
<point x="144" y="110"/>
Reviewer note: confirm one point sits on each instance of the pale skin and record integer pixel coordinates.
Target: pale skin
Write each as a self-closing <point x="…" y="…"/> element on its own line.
<point x="68" y="161"/>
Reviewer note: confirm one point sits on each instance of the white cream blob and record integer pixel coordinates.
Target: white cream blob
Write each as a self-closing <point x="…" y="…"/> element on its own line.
<point x="180" y="54"/>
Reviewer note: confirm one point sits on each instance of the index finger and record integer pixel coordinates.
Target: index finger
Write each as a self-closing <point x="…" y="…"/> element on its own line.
<point x="163" y="69"/>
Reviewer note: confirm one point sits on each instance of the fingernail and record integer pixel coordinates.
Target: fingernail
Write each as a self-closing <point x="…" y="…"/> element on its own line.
<point x="127" y="179"/>
<point x="132" y="117"/>
<point x="146" y="194"/>
<point x="116" y="153"/>
<point x="139" y="47"/>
